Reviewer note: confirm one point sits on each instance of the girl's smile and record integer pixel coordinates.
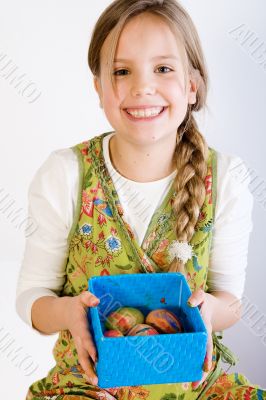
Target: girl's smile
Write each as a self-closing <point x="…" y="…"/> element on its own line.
<point x="142" y="114"/>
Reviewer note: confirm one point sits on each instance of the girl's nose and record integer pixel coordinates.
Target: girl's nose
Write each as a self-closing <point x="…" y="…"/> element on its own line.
<point x="142" y="88"/>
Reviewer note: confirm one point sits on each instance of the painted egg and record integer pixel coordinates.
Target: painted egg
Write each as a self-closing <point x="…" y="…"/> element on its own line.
<point x="113" y="333"/>
<point x="124" y="318"/>
<point x="142" y="330"/>
<point x="164" y="321"/>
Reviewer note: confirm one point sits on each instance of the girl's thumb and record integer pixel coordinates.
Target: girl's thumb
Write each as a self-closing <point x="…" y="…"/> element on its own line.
<point x="89" y="299"/>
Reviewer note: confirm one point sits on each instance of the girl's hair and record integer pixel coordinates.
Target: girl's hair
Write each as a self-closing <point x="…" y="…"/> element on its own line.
<point x="191" y="149"/>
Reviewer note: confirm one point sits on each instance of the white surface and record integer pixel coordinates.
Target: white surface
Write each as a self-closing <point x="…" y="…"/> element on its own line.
<point x="48" y="41"/>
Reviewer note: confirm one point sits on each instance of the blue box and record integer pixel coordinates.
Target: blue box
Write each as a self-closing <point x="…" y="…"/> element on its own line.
<point x="144" y="360"/>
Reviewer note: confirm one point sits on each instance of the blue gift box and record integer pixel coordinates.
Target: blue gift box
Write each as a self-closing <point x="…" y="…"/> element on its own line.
<point x="144" y="360"/>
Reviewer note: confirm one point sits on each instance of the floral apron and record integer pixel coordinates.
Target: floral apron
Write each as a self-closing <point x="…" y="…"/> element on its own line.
<point x="102" y="243"/>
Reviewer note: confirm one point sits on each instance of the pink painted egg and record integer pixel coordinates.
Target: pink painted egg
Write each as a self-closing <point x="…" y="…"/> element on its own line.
<point x="113" y="333"/>
<point x="124" y="318"/>
<point x="164" y="321"/>
<point x="142" y="330"/>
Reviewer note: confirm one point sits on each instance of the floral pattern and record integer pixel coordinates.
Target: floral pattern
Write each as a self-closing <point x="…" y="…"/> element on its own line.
<point x="102" y="243"/>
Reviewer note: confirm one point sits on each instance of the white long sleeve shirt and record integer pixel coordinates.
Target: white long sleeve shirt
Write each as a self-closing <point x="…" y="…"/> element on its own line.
<point x="52" y="199"/>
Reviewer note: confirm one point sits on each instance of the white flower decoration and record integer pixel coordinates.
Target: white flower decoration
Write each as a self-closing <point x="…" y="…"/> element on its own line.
<point x="180" y="250"/>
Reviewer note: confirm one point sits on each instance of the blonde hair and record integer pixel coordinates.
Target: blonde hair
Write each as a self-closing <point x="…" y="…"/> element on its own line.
<point x="191" y="148"/>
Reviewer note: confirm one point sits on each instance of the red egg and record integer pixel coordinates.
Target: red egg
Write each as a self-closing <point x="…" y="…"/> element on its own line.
<point x="164" y="321"/>
<point x="113" y="333"/>
<point x="142" y="330"/>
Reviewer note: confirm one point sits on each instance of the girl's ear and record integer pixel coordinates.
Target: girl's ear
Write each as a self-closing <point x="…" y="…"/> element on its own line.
<point x="194" y="81"/>
<point x="97" y="86"/>
<point x="192" y="93"/>
<point x="96" y="83"/>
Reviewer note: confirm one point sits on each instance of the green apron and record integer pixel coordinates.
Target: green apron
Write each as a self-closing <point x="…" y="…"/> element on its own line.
<point x="102" y="243"/>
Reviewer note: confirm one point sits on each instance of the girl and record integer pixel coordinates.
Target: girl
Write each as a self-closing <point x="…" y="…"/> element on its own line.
<point x="150" y="75"/>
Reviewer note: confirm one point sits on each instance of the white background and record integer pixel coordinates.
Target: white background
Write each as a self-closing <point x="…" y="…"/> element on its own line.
<point x="48" y="41"/>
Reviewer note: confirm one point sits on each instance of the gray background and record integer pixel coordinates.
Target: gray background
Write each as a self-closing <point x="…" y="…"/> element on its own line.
<point x="48" y="42"/>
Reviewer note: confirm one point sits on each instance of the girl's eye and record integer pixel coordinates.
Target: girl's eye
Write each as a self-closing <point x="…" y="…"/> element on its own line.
<point x="163" y="66"/>
<point x="117" y="73"/>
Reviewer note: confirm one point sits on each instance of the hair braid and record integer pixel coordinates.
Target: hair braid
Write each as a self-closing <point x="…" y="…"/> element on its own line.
<point x="189" y="184"/>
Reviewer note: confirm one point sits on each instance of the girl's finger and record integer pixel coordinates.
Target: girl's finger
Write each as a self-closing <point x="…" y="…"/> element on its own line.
<point x="88" y="299"/>
<point x="196" y="384"/>
<point x="85" y="340"/>
<point x="208" y="358"/>
<point x="196" y="298"/>
<point x="87" y="366"/>
<point x="207" y="361"/>
<point x="89" y="346"/>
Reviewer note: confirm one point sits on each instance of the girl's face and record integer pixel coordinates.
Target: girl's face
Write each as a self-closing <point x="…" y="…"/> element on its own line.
<point x="148" y="76"/>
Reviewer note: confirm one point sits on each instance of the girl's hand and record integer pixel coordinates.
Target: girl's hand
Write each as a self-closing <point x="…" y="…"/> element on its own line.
<point x="199" y="297"/>
<point x="77" y="324"/>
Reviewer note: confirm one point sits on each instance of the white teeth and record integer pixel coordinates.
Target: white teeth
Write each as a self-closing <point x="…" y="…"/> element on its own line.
<point x="148" y="112"/>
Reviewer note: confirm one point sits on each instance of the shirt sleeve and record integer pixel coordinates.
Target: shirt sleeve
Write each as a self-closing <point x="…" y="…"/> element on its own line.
<point x="232" y="226"/>
<point x="51" y="205"/>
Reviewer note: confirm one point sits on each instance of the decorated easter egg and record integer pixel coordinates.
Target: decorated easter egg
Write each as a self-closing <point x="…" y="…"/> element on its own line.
<point x="142" y="330"/>
<point x="113" y="333"/>
<point x="124" y="318"/>
<point x="164" y="321"/>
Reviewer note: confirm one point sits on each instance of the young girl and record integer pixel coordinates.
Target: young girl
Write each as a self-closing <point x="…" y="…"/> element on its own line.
<point x="190" y="215"/>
